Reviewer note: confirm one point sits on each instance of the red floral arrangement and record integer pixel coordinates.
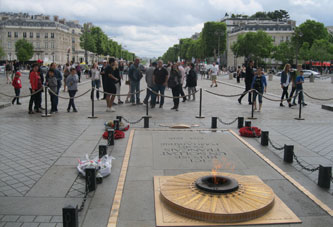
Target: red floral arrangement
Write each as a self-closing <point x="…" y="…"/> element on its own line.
<point x="117" y="134"/>
<point x="250" y="132"/>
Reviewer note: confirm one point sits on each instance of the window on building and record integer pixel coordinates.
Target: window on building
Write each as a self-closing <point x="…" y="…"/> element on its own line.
<point x="31" y="34"/>
<point x="52" y="35"/>
<point x="282" y="40"/>
<point x="73" y="48"/>
<point x="73" y="40"/>
<point x="38" y="44"/>
<point x="9" y="34"/>
<point x="9" y="45"/>
<point x="37" y="35"/>
<point x="52" y="45"/>
<point x="46" y="45"/>
<point x="274" y="38"/>
<point x="287" y="38"/>
<point x="46" y="35"/>
<point x="73" y="31"/>
<point x="24" y="35"/>
<point x="16" y="34"/>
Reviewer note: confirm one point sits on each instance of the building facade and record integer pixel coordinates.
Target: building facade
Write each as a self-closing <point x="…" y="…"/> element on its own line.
<point x="280" y="31"/>
<point x="53" y="40"/>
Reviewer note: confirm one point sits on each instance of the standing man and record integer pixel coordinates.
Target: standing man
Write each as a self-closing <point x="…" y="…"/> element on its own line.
<point x="58" y="76"/>
<point x="103" y="76"/>
<point x="40" y="71"/>
<point x="160" y="79"/>
<point x="149" y="81"/>
<point x="182" y="72"/>
<point x="135" y="75"/>
<point x="213" y="72"/>
<point x="248" y="81"/>
<point x="78" y="71"/>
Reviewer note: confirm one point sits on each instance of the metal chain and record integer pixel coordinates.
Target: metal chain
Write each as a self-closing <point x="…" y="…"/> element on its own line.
<point x="303" y="167"/>
<point x="22" y="96"/>
<point x="275" y="147"/>
<point x="172" y="97"/>
<point x="311" y="97"/>
<point x="236" y="95"/>
<point x="62" y="97"/>
<point x="227" y="123"/>
<point x="107" y="93"/>
<point x="132" y="122"/>
<point x="84" y="199"/>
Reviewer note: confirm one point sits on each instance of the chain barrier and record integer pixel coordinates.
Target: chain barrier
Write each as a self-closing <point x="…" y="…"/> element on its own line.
<point x="132" y="122"/>
<point x="172" y="97"/>
<point x="275" y="147"/>
<point x="311" y="97"/>
<point x="84" y="199"/>
<point x="303" y="167"/>
<point x="227" y="123"/>
<point x="75" y="97"/>
<point x="276" y="100"/>
<point x="229" y="96"/>
<point x="107" y="93"/>
<point x="22" y="96"/>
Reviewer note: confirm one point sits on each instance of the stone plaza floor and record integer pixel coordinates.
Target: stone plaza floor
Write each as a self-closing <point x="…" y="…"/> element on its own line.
<point x="38" y="156"/>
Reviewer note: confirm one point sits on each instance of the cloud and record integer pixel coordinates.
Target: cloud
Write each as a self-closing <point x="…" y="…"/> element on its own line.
<point x="149" y="27"/>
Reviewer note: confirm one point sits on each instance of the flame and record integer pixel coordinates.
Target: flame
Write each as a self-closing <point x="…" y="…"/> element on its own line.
<point x="219" y="165"/>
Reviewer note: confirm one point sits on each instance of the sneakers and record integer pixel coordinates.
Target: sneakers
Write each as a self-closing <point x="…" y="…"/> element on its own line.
<point x="290" y="105"/>
<point x="113" y="109"/>
<point x="239" y="101"/>
<point x="31" y="112"/>
<point x="215" y="85"/>
<point x="75" y="110"/>
<point x="120" y="102"/>
<point x="18" y="103"/>
<point x="161" y="106"/>
<point x="126" y="101"/>
<point x="281" y="104"/>
<point x="108" y="109"/>
<point x="304" y="104"/>
<point x="139" y="103"/>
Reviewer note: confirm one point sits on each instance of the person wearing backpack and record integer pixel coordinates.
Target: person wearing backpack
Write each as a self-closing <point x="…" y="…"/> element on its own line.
<point x="174" y="82"/>
<point x="259" y="83"/>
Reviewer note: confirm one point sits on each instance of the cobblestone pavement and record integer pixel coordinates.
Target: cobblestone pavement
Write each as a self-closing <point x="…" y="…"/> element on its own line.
<point x="38" y="156"/>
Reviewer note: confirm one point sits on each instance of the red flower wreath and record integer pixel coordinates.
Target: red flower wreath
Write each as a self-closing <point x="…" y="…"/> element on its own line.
<point x="250" y="132"/>
<point x="117" y="134"/>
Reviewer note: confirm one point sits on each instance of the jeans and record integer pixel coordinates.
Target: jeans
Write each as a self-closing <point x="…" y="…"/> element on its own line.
<point x="300" y="96"/>
<point x="156" y="89"/>
<point x="71" y="101"/>
<point x="17" y="93"/>
<point x="259" y="96"/>
<point x="247" y="88"/>
<point x="284" y="93"/>
<point x="191" y="91"/>
<point x="54" y="103"/>
<point x="175" y="93"/>
<point x="34" y="99"/>
<point x="95" y="84"/>
<point x="148" y="95"/>
<point x="135" y="88"/>
<point x="182" y="92"/>
<point x="293" y="89"/>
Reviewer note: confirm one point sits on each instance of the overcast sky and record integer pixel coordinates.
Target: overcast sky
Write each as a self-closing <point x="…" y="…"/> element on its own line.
<point x="150" y="27"/>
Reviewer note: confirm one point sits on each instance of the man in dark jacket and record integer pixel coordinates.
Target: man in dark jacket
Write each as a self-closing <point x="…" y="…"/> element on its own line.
<point x="135" y="75"/>
<point x="248" y="81"/>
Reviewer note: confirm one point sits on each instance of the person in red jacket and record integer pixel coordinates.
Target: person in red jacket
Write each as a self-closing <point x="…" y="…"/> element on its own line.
<point x="17" y="84"/>
<point x="36" y="84"/>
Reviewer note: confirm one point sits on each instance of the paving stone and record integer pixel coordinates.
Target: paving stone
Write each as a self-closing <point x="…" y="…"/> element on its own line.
<point x="30" y="224"/>
<point x="47" y="225"/>
<point x="43" y="219"/>
<point x="10" y="218"/>
<point x="2" y="224"/>
<point x="56" y="219"/>
<point x="13" y="224"/>
<point x="26" y="218"/>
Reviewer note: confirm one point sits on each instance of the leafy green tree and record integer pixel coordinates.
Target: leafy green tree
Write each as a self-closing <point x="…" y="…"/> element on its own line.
<point x="2" y="53"/>
<point x="214" y="38"/>
<point x="253" y="45"/>
<point x="24" y="50"/>
<point x="87" y="42"/>
<point x="304" y="51"/>
<point x="284" y="53"/>
<point x="100" y="40"/>
<point x="310" y="31"/>
<point x="321" y="50"/>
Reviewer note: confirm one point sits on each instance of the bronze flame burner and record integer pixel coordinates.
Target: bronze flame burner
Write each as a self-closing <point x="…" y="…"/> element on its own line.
<point x="217" y="184"/>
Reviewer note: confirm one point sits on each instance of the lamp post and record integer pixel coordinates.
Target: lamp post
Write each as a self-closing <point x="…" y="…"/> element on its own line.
<point x="299" y="36"/>
<point x="219" y="34"/>
<point x="52" y="56"/>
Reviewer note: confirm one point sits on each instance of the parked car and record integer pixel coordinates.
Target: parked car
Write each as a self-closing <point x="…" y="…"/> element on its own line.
<point x="2" y="68"/>
<point x="44" y="69"/>
<point x="307" y="73"/>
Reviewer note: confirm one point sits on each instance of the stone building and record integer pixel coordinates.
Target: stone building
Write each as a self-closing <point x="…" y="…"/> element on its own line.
<point x="280" y="31"/>
<point x="55" y="40"/>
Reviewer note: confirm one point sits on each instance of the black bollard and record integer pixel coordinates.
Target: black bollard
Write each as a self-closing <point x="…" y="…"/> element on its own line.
<point x="264" y="138"/>
<point x="119" y="118"/>
<point x="110" y="137"/>
<point x="300" y="107"/>
<point x="288" y="155"/>
<point x="214" y="122"/>
<point x="240" y="122"/>
<point x="102" y="150"/>
<point x="247" y="123"/>
<point x="200" y="106"/>
<point x="116" y="124"/>
<point x="45" y="101"/>
<point x="324" y="176"/>
<point x="70" y="216"/>
<point x="90" y="179"/>
<point x="92" y="105"/>
<point x="252" y="108"/>
<point x="146" y="121"/>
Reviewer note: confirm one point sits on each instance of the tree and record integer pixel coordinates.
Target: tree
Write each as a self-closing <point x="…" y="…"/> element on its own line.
<point x="253" y="45"/>
<point x="321" y="50"/>
<point x="304" y="51"/>
<point x="100" y="40"/>
<point x="284" y="53"/>
<point x="2" y="53"/>
<point x="310" y="31"/>
<point x="87" y="42"/>
<point x="24" y="50"/>
<point x="214" y="38"/>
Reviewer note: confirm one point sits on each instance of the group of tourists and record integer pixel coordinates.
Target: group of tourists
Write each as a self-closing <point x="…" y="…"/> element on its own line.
<point x="257" y="81"/>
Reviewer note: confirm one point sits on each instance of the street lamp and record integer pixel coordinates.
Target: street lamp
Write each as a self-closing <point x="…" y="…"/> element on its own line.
<point x="219" y="34"/>
<point x="52" y="56"/>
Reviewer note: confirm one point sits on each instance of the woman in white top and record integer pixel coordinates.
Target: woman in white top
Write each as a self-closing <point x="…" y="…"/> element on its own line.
<point x="95" y="80"/>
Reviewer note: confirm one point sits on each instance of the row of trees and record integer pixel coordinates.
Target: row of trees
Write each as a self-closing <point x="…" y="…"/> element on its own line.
<point x="211" y="43"/>
<point x="274" y="15"/>
<point x="24" y="50"/>
<point x="95" y="40"/>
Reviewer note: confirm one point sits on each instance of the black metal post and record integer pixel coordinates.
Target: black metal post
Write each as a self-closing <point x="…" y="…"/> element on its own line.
<point x="119" y="118"/>
<point x="264" y="138"/>
<point x="146" y="121"/>
<point x="45" y="101"/>
<point x="252" y="107"/>
<point x="200" y="106"/>
<point x="300" y="107"/>
<point x="324" y="176"/>
<point x="214" y="122"/>
<point x="247" y="123"/>
<point x="70" y="216"/>
<point x="92" y="104"/>
<point x="110" y="137"/>
<point x="90" y="179"/>
<point x="240" y="122"/>
<point x="288" y="153"/>
<point x="102" y="150"/>
<point x="147" y="106"/>
<point x="116" y="124"/>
